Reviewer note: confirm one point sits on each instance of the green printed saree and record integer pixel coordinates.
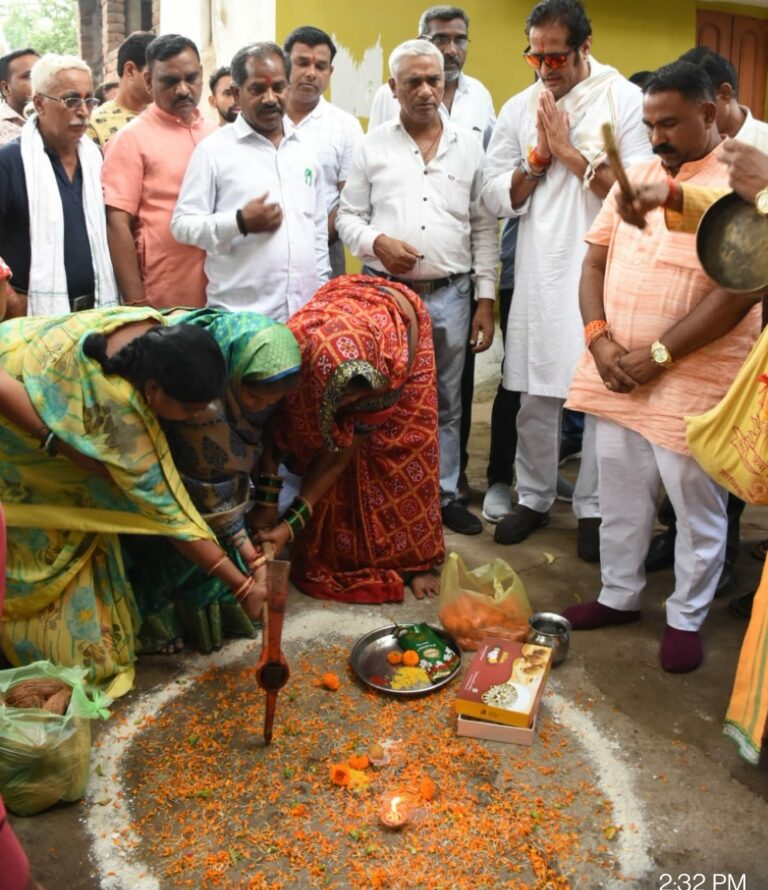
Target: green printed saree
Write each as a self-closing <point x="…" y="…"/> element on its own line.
<point x="67" y="596"/>
<point x="215" y="455"/>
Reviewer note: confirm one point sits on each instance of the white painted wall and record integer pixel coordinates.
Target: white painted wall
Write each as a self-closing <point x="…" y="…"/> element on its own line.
<point x="354" y="82"/>
<point x="219" y="28"/>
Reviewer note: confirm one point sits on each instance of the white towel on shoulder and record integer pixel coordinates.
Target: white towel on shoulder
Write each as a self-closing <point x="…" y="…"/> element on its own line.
<point x="47" y="291"/>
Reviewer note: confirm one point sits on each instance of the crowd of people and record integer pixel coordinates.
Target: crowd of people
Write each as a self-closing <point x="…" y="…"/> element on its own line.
<point x="190" y="382"/>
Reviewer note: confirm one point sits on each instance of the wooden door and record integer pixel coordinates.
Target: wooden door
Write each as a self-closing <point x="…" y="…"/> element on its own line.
<point x="749" y="53"/>
<point x="743" y="40"/>
<point x="713" y="30"/>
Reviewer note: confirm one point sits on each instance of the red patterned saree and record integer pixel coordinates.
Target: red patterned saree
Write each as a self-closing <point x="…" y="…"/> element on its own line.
<point x="382" y="517"/>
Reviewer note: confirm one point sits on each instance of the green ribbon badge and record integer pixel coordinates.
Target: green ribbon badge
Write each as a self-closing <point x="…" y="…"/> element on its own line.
<point x="308" y="175"/>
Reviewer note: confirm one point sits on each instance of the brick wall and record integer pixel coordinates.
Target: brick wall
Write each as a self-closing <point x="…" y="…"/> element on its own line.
<point x="112" y="35"/>
<point x="89" y="31"/>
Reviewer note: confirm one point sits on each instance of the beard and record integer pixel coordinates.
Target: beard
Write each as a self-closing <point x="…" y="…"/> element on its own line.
<point x="230" y="116"/>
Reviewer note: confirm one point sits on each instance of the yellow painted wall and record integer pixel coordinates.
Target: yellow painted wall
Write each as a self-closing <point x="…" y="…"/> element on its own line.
<point x="632" y="36"/>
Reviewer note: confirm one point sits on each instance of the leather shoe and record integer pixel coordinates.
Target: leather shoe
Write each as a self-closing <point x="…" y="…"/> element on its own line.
<point x="588" y="542"/>
<point x="458" y="519"/>
<point x="518" y="524"/>
<point x="661" y="552"/>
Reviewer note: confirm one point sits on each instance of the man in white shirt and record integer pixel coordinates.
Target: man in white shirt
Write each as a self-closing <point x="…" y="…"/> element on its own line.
<point x="332" y="132"/>
<point x="546" y="165"/>
<point x="253" y="199"/>
<point x="16" y="89"/>
<point x="468" y="104"/>
<point x="411" y="211"/>
<point x="466" y="100"/>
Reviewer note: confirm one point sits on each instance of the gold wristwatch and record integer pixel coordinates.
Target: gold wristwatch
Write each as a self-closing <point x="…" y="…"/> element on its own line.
<point x="761" y="202"/>
<point x="660" y="354"/>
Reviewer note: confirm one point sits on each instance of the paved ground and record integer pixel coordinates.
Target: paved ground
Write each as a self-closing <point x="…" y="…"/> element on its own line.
<point x="651" y="786"/>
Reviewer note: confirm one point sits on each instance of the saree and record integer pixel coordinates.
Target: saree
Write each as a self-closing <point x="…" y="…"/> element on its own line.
<point x="382" y="516"/>
<point x="746" y="721"/>
<point x="215" y="455"/>
<point x="67" y="596"/>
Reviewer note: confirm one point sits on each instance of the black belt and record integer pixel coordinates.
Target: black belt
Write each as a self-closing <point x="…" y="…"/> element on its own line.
<point x="83" y="302"/>
<point x="423" y="286"/>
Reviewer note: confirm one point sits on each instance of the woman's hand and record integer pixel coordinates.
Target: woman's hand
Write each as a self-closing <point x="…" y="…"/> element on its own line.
<point x="279" y="536"/>
<point x="253" y="601"/>
<point x="262" y="518"/>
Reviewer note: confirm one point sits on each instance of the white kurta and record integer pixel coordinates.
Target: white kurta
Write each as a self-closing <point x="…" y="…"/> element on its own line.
<point x="544" y="336"/>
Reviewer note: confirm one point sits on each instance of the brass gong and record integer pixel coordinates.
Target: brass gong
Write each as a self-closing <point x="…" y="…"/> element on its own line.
<point x="732" y="244"/>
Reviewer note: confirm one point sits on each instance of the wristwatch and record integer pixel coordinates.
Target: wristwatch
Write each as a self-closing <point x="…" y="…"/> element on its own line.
<point x="660" y="354"/>
<point x="761" y="202"/>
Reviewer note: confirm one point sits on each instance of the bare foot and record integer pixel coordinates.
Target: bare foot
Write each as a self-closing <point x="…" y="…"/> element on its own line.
<point x="171" y="647"/>
<point x="425" y="584"/>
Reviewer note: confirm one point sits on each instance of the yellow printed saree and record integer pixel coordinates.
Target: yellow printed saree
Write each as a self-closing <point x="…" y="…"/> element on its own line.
<point x="67" y="596"/>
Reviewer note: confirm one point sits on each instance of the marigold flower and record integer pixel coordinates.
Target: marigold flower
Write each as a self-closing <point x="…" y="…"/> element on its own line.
<point x="340" y="774"/>
<point x="331" y="681"/>
<point x="359" y="761"/>
<point x="427" y="788"/>
<point x="411" y="658"/>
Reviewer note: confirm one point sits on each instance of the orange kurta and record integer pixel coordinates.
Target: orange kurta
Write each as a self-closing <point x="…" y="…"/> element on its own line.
<point x="653" y="279"/>
<point x="144" y="165"/>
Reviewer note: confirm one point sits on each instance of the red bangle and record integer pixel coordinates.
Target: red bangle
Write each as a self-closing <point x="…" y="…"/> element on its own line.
<point x="535" y="158"/>
<point x="674" y="191"/>
<point x="5" y="270"/>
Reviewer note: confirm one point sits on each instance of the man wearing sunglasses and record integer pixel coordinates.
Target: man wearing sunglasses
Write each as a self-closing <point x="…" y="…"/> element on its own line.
<point x="546" y="166"/>
<point x="52" y="222"/>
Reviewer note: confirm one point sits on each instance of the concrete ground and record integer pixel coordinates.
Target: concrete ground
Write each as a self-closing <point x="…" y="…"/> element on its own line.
<point x="642" y="750"/>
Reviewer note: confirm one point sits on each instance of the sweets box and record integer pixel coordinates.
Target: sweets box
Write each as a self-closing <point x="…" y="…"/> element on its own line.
<point x="504" y="682"/>
<point x="495" y="732"/>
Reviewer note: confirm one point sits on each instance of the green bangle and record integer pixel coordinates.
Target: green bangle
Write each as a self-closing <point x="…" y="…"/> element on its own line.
<point x="294" y="520"/>
<point x="269" y="480"/>
<point x="268" y="495"/>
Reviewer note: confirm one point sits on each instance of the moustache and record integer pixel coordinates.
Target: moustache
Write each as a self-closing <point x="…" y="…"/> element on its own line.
<point x="663" y="149"/>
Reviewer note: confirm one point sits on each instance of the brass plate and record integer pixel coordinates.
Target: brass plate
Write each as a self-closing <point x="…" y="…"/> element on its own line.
<point x="732" y="244"/>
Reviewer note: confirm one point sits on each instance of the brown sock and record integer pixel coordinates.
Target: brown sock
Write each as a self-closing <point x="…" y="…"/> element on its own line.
<point x="681" y="650"/>
<point x="588" y="616"/>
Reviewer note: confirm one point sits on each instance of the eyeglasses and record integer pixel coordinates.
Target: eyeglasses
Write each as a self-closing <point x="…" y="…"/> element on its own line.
<point x="446" y="40"/>
<point x="72" y="103"/>
<point x="551" y="60"/>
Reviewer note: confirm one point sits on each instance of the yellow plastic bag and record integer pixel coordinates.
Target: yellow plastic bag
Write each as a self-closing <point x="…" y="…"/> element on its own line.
<point x="730" y="441"/>
<point x="487" y="601"/>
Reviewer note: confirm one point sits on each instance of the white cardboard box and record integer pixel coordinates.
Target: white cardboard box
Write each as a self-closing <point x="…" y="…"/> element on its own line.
<point x="495" y="732"/>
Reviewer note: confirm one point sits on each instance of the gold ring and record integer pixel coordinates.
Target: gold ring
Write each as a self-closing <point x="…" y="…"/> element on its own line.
<point x="608" y="384"/>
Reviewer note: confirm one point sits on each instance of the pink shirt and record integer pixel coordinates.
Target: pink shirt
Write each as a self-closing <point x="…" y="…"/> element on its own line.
<point x="144" y="165"/>
<point x="653" y="279"/>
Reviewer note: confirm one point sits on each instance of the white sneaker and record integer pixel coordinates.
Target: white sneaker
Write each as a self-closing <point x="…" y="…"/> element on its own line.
<point x="497" y="502"/>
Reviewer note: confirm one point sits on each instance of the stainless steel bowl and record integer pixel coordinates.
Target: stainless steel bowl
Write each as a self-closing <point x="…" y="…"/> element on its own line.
<point x="369" y="660"/>
<point x="550" y="629"/>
